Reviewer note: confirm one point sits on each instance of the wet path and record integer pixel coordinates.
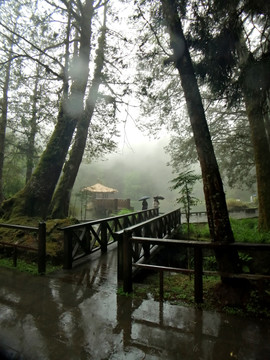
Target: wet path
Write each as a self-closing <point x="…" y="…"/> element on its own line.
<point x="77" y="315"/>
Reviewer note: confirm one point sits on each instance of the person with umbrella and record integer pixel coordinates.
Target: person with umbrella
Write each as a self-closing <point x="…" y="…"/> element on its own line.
<point x="144" y="202"/>
<point x="156" y="201"/>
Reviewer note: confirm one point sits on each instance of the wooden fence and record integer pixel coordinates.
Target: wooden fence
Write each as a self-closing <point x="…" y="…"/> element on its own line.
<point x="82" y="239"/>
<point x="161" y="226"/>
<point x="129" y="241"/>
<point x="41" y="244"/>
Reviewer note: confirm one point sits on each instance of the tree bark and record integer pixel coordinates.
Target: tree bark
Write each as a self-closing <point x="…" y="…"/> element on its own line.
<point x="218" y="219"/>
<point x="4" y="112"/>
<point x="255" y="93"/>
<point x="61" y="199"/>
<point x="35" y="198"/>
<point x="254" y="106"/>
<point x="30" y="150"/>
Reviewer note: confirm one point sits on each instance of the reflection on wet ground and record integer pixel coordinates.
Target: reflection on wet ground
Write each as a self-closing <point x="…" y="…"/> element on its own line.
<point x="77" y="314"/>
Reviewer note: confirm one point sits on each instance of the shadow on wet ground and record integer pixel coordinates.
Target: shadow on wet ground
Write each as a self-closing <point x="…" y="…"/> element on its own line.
<point x="77" y="314"/>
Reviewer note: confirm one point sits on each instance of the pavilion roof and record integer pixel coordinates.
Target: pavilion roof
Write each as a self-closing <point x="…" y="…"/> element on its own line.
<point x="99" y="188"/>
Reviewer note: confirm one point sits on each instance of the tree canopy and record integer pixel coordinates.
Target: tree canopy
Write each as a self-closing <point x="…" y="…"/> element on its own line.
<point x="52" y="59"/>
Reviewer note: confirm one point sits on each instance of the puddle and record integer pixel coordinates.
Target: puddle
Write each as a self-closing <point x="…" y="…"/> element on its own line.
<point x="78" y="315"/>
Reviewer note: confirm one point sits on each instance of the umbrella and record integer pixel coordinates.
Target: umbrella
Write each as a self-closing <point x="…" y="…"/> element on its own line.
<point x="144" y="198"/>
<point x="158" y="197"/>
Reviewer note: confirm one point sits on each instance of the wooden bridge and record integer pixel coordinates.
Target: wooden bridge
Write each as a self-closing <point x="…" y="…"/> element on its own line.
<point x="139" y="235"/>
<point x="82" y="239"/>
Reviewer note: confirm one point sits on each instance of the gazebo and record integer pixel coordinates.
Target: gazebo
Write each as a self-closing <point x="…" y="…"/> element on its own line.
<point x="101" y="203"/>
<point x="100" y="191"/>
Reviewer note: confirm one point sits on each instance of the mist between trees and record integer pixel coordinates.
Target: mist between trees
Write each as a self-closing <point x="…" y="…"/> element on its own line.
<point x="141" y="170"/>
<point x="77" y="66"/>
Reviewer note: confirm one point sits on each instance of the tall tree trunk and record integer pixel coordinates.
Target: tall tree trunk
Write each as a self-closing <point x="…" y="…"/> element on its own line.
<point x="217" y="212"/>
<point x="254" y="107"/>
<point x="4" y="112"/>
<point x="36" y="196"/>
<point x="61" y="198"/>
<point x="255" y="96"/>
<point x="30" y="151"/>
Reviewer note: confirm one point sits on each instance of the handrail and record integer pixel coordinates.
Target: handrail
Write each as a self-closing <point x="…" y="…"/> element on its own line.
<point x="41" y="248"/>
<point x="160" y="226"/>
<point x="150" y="221"/>
<point x="111" y="218"/>
<point x="198" y="246"/>
<point x="82" y="239"/>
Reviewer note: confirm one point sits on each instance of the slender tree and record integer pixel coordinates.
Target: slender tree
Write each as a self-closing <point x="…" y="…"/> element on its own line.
<point x="235" y="61"/>
<point x="4" y="104"/>
<point x="217" y="213"/>
<point x="36" y="196"/>
<point x="61" y="199"/>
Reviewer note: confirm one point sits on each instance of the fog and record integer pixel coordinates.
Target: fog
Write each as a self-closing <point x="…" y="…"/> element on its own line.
<point x="138" y="168"/>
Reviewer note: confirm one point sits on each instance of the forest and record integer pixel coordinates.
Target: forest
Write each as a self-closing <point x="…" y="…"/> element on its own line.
<point x="73" y="72"/>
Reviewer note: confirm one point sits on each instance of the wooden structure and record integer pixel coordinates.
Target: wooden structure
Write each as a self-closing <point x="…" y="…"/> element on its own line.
<point x="161" y="226"/>
<point x="102" y="203"/>
<point x="41" y="244"/>
<point x="82" y="239"/>
<point x="129" y="262"/>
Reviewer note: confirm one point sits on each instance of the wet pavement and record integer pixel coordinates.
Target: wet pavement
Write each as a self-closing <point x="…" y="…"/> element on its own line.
<point x="77" y="315"/>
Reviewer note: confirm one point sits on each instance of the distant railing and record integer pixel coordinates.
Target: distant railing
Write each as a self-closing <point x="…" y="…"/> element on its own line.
<point x="201" y="216"/>
<point x="41" y="244"/>
<point x="161" y="226"/>
<point x="129" y="241"/>
<point x="82" y="239"/>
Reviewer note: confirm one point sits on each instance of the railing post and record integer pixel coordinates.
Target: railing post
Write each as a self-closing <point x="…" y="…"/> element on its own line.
<point x="127" y="262"/>
<point x="67" y="249"/>
<point x="104" y="239"/>
<point x="161" y="285"/>
<point x="198" y="281"/>
<point x="120" y="256"/>
<point x="42" y="248"/>
<point x="86" y="242"/>
<point x="15" y="255"/>
<point x="125" y="222"/>
<point x="146" y="247"/>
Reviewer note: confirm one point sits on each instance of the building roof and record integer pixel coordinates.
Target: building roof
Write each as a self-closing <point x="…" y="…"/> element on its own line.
<point x="99" y="188"/>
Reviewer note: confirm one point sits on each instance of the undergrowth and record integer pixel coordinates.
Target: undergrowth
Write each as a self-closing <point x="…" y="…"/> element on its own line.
<point x="24" y="266"/>
<point x="244" y="230"/>
<point x="179" y="290"/>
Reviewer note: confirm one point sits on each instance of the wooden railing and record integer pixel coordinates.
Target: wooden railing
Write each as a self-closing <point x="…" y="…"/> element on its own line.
<point x="41" y="244"/>
<point x="159" y="227"/>
<point x="129" y="241"/>
<point x="82" y="239"/>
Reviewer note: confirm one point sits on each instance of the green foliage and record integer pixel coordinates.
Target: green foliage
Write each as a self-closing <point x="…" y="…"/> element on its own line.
<point x="14" y="166"/>
<point x="196" y="231"/>
<point x="121" y="292"/>
<point x="24" y="266"/>
<point x="234" y="204"/>
<point x="122" y="212"/>
<point x="179" y="289"/>
<point x="184" y="183"/>
<point x="245" y="230"/>
<point x="210" y="263"/>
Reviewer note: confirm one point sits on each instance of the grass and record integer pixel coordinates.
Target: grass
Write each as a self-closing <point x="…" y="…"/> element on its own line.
<point x="179" y="290"/>
<point x="24" y="266"/>
<point x="245" y="230"/>
<point x="253" y="301"/>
